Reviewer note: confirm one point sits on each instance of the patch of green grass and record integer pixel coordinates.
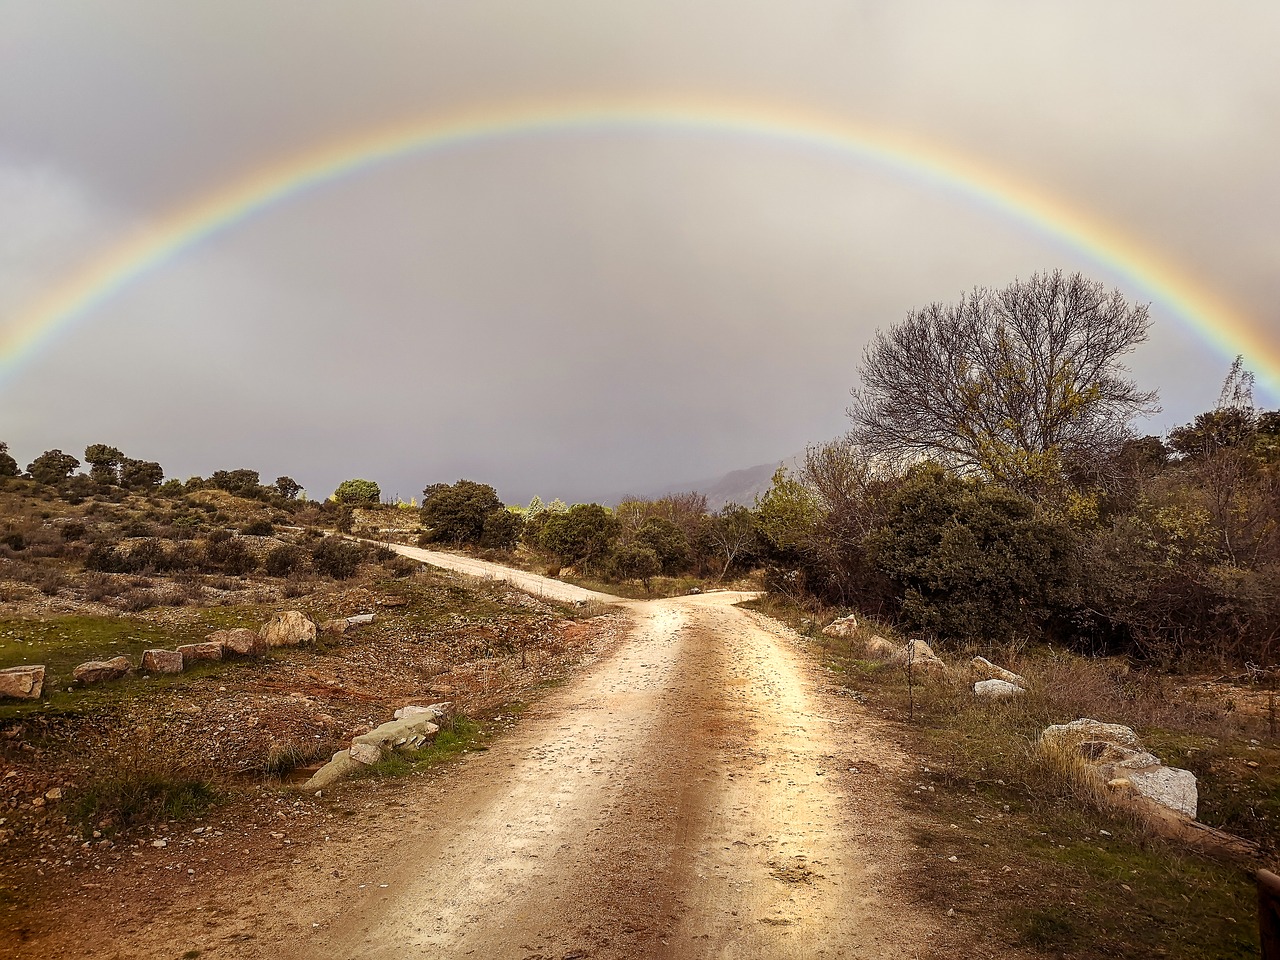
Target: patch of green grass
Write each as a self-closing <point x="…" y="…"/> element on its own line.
<point x="129" y="798"/>
<point x="62" y="643"/>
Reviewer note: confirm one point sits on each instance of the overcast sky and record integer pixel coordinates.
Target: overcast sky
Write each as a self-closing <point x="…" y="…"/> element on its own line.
<point x="584" y="314"/>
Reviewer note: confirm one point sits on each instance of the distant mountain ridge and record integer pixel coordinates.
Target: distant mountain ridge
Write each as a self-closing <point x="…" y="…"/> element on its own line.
<point x="737" y="486"/>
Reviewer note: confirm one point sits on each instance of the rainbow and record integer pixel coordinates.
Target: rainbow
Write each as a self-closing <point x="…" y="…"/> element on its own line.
<point x="150" y="247"/>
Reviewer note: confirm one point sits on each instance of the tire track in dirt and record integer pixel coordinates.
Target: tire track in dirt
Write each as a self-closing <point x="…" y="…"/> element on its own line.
<point x="683" y="800"/>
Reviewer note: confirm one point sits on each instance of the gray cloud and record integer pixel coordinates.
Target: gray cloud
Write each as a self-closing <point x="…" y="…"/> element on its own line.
<point x="588" y="313"/>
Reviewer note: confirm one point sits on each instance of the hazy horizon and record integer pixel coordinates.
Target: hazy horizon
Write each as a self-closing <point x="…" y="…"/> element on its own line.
<point x="596" y="310"/>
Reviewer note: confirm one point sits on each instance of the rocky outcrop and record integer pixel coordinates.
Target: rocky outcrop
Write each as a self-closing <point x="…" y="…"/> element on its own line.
<point x="288" y="629"/>
<point x="366" y="754"/>
<point x="997" y="689"/>
<point x="99" y="671"/>
<point x="360" y="619"/>
<point x="161" y="661"/>
<point x="334" y="628"/>
<point x="22" y="683"/>
<point x="924" y="660"/>
<point x="341" y="766"/>
<point x="409" y="731"/>
<point x="1117" y="757"/>
<point x="193" y="653"/>
<point x="984" y="669"/>
<point x="882" y="649"/>
<point x="1078" y="731"/>
<point x="239" y="642"/>
<point x="434" y="712"/>
<point x="842" y="629"/>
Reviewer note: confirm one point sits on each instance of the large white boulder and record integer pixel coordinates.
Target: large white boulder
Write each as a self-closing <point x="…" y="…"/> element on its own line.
<point x="841" y="629"/>
<point x="288" y="629"/>
<point x="1117" y="757"/>
<point x="997" y="689"/>
<point x="1078" y="731"/>
<point x="1168" y="786"/>
<point x="984" y="669"/>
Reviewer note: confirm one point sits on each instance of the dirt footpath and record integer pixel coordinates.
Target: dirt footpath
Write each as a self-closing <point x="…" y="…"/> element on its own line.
<point x="701" y="792"/>
<point x="691" y="797"/>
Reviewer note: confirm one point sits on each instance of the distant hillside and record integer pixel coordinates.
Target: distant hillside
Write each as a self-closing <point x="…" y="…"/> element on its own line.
<point x="738" y="486"/>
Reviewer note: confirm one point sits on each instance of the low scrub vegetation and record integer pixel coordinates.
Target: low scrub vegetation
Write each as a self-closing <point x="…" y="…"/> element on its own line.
<point x="1042" y="853"/>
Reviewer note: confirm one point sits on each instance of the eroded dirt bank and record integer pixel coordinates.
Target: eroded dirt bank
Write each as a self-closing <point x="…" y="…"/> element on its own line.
<point x="692" y="795"/>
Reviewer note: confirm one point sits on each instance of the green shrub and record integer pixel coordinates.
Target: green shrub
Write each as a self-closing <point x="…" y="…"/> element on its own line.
<point x="336" y="558"/>
<point x="458" y="513"/>
<point x="283" y="560"/>
<point x="358" y="492"/>
<point x="229" y="556"/>
<point x="502" y="530"/>
<point x="974" y="561"/>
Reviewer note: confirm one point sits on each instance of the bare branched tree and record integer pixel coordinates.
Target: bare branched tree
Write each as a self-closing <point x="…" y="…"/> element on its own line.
<point x="1011" y="383"/>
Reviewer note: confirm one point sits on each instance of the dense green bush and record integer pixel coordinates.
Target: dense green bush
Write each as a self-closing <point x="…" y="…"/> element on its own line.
<point x="457" y="513"/>
<point x="284" y="560"/>
<point x="357" y="492"/>
<point x="502" y="530"/>
<point x="336" y="558"/>
<point x="582" y="536"/>
<point x="667" y="541"/>
<point x="974" y="561"/>
<point x="8" y="465"/>
<point x="636" y="561"/>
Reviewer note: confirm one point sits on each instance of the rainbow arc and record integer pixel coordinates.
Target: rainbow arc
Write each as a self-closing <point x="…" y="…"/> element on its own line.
<point x="23" y="336"/>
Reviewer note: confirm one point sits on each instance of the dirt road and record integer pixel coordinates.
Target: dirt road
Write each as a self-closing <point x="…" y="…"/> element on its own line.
<point x="690" y="797"/>
<point x="528" y="582"/>
<point x="701" y="791"/>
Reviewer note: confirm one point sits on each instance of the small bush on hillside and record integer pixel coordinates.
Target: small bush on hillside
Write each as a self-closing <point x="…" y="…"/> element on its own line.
<point x="143" y="779"/>
<point x="336" y="558"/>
<point x="258" y="528"/>
<point x="283" y="560"/>
<point x="358" y="492"/>
<point x="230" y="556"/>
<point x="400" y="566"/>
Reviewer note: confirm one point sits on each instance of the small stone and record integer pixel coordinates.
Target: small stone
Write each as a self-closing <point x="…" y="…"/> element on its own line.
<point x="54" y="794"/>
<point x="161" y="661"/>
<point x="159" y="843"/>
<point x="953" y="859"/>
<point x="22" y="683"/>
<point x="207" y="652"/>
<point x="99" y="671"/>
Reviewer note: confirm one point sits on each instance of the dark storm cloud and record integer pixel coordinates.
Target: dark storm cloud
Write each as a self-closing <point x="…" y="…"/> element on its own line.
<point x="576" y="316"/>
